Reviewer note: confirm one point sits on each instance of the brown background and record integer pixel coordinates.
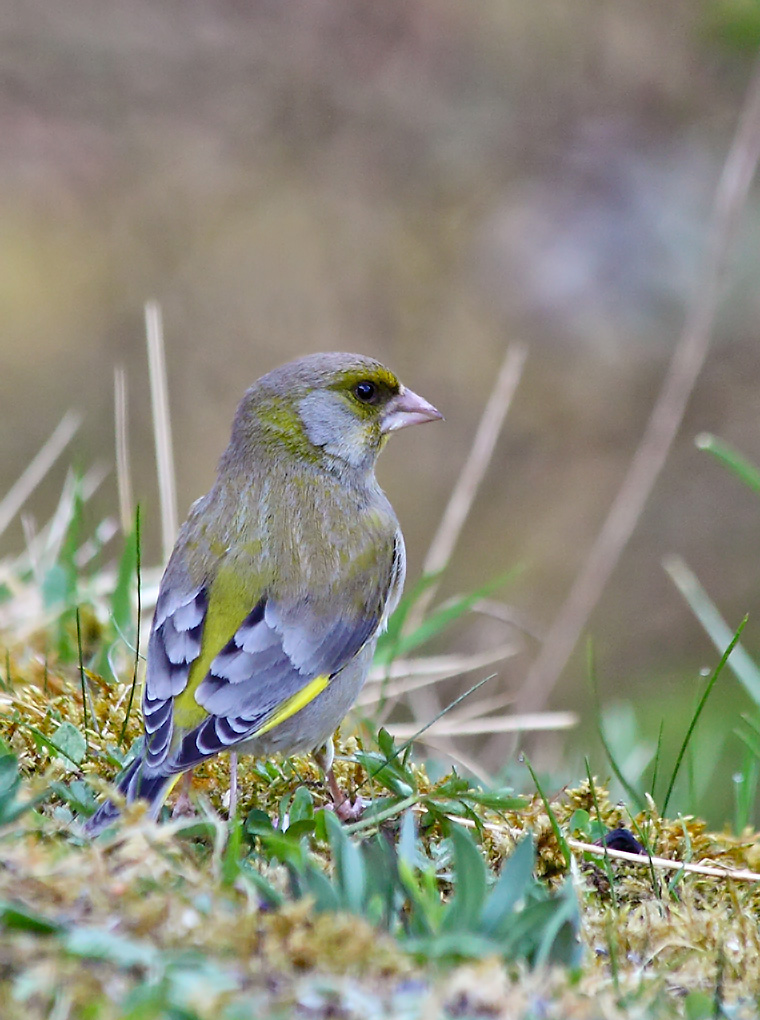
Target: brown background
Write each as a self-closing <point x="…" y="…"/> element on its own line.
<point x="424" y="181"/>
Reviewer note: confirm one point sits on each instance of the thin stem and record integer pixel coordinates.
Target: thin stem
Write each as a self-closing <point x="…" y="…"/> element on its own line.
<point x="84" y="684"/>
<point x="667" y="414"/>
<point x="139" y="615"/>
<point x="162" y="431"/>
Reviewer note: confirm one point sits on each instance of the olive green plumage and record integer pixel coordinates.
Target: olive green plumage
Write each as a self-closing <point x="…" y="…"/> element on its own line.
<point x="282" y="576"/>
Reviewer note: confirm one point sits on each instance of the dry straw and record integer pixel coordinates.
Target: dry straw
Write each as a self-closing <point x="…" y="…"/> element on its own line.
<point x="689" y="356"/>
<point x="162" y="428"/>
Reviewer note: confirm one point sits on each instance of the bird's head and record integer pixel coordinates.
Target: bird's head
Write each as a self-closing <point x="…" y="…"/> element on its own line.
<point x="336" y="408"/>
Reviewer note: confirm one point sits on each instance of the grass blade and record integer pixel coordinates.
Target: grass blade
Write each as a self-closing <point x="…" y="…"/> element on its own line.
<point x="694" y="719"/>
<point x="744" y="470"/>
<point x="84" y="684"/>
<point x="137" y="631"/>
<point x="741" y="664"/>
<point x="607" y="863"/>
<point x="439" y="620"/>
<point x="631" y="790"/>
<point x="561" y="841"/>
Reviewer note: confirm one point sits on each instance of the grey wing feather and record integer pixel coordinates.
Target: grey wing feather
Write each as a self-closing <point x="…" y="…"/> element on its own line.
<point x="175" y="643"/>
<point x="272" y="655"/>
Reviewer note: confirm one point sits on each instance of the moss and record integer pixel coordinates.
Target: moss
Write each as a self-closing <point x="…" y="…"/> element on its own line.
<point x="212" y="947"/>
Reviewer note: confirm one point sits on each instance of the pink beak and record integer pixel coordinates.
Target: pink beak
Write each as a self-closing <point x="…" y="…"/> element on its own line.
<point x="408" y="409"/>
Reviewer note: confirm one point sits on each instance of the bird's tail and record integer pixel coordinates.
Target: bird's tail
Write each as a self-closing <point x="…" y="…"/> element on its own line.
<point x="135" y="784"/>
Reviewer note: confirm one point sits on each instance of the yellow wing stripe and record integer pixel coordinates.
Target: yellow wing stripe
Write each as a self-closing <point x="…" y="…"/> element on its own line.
<point x="293" y="704"/>
<point x="172" y="784"/>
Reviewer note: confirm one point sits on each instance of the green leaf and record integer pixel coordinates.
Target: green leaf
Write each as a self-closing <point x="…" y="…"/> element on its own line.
<point x="258" y="823"/>
<point x="452" y="945"/>
<point x="77" y="794"/>
<point x="231" y="859"/>
<point x="263" y="887"/>
<point x="386" y="743"/>
<point x="100" y="944"/>
<point x="69" y="743"/>
<point x="10" y="781"/>
<point x="699" y="1006"/>
<point x="463" y="912"/>
<point x="301" y="828"/>
<point x="561" y="841"/>
<point x="559" y="943"/>
<point x="284" y="848"/>
<point x="390" y="775"/>
<point x="320" y="825"/>
<point x="18" y="917"/>
<point x="385" y="896"/>
<point x="318" y="886"/>
<point x="496" y="800"/>
<point x="407" y="841"/>
<point x="513" y="885"/>
<point x="579" y="821"/>
<point x="302" y="808"/>
<point x="121" y="599"/>
<point x="56" y="587"/>
<point x="453" y="786"/>
<point x="349" y="866"/>
<point x="698" y="711"/>
<point x="11" y="807"/>
<point x="426" y="909"/>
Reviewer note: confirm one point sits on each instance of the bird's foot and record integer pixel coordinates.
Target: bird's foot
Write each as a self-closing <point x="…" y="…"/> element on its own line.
<point x="350" y="810"/>
<point x="183" y="805"/>
<point x="346" y="809"/>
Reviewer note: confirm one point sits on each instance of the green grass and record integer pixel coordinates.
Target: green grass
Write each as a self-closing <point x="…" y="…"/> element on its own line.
<point x="447" y="896"/>
<point x="451" y="898"/>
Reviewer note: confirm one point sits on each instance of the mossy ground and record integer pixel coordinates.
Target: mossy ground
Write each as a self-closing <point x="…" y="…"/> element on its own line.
<point x="147" y="922"/>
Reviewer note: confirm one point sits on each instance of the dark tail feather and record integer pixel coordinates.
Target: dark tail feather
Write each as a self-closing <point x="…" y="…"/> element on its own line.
<point x="134" y="784"/>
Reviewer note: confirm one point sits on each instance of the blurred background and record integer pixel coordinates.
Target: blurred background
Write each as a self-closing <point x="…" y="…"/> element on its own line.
<point x="424" y="181"/>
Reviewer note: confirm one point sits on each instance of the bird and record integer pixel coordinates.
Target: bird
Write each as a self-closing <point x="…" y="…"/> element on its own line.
<point x="280" y="582"/>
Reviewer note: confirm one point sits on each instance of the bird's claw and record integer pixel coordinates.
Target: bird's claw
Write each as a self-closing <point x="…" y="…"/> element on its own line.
<point x="350" y="810"/>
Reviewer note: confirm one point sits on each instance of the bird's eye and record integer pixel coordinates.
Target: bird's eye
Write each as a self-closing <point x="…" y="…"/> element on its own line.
<point x="366" y="391"/>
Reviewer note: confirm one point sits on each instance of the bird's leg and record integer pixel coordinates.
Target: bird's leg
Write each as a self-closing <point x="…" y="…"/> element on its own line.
<point x="183" y="805"/>
<point x="344" y="808"/>
<point x="232" y="810"/>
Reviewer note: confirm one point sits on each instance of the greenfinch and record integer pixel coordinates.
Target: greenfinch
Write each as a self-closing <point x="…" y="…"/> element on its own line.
<point x="281" y="580"/>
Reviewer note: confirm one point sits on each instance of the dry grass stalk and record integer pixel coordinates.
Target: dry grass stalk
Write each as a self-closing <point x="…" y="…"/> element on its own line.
<point x="689" y="356"/>
<point x="38" y="467"/>
<point x="46" y="544"/>
<point x="472" y="474"/>
<point x="485" y="706"/>
<point x="444" y="727"/>
<point x="665" y="863"/>
<point x="121" y="432"/>
<point x="412" y="674"/>
<point x="425" y="703"/>
<point x="496" y="610"/>
<point x="162" y="429"/>
<point x="709" y="870"/>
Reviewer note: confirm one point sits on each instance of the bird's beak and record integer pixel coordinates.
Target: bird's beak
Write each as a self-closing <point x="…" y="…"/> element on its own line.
<point x="407" y="409"/>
